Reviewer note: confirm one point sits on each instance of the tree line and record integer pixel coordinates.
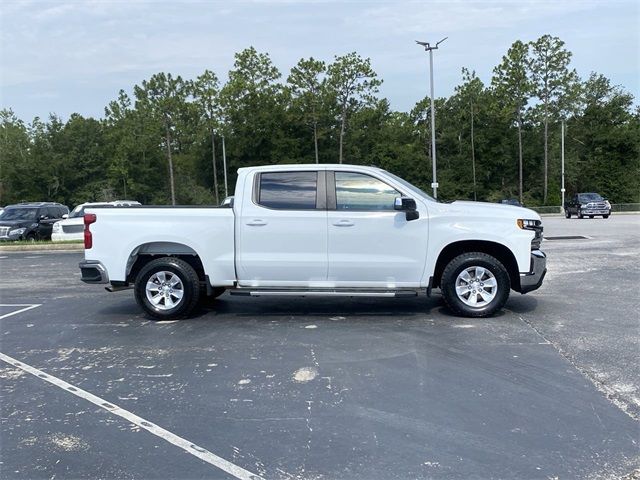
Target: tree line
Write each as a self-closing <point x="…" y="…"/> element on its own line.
<point x="165" y="143"/>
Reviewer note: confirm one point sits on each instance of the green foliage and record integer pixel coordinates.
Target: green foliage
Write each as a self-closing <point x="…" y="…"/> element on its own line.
<point x="554" y="84"/>
<point x="352" y="84"/>
<point x="164" y="143"/>
<point x="310" y="95"/>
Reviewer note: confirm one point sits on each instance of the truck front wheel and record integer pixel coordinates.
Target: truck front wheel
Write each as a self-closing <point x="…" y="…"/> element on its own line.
<point x="475" y="284"/>
<point x="167" y="288"/>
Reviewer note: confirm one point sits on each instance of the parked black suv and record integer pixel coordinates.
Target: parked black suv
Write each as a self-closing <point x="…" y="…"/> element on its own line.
<point x="587" y="204"/>
<point x="30" y="221"/>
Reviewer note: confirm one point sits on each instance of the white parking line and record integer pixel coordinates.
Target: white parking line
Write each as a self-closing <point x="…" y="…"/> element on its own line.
<point x="28" y="306"/>
<point x="186" y="445"/>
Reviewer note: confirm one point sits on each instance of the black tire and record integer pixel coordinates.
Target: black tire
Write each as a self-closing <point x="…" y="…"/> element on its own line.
<point x="469" y="260"/>
<point x="567" y="214"/>
<point x="31" y="238"/>
<point x="580" y="214"/>
<point x="187" y="277"/>
<point x="605" y="216"/>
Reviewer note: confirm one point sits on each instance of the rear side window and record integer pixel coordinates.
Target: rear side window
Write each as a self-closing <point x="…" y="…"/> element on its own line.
<point x="357" y="191"/>
<point x="288" y="190"/>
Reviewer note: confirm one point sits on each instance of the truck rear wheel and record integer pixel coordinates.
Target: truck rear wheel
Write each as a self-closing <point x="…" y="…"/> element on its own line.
<point x="567" y="213"/>
<point x="167" y="288"/>
<point x="475" y="284"/>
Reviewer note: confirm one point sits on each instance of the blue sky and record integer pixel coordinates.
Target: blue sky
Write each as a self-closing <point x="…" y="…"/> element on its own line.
<point x="74" y="56"/>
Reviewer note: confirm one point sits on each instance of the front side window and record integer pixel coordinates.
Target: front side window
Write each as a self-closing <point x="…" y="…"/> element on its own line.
<point x="288" y="190"/>
<point x="357" y="191"/>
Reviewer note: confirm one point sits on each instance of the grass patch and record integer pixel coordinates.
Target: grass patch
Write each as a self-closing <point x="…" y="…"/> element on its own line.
<point x="42" y="245"/>
<point x="42" y="242"/>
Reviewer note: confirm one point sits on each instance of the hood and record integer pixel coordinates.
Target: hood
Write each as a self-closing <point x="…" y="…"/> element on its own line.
<point x="493" y="210"/>
<point x="16" y="223"/>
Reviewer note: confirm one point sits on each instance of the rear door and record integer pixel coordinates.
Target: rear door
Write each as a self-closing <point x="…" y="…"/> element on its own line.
<point x="370" y="243"/>
<point x="282" y="230"/>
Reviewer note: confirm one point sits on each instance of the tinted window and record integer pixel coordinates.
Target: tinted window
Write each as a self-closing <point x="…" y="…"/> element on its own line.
<point x="356" y="191"/>
<point x="288" y="190"/>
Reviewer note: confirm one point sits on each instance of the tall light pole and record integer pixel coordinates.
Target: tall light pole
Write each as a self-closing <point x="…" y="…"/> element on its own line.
<point x="215" y="170"/>
<point x="562" y="190"/>
<point x="430" y="49"/>
<point x="224" y="166"/>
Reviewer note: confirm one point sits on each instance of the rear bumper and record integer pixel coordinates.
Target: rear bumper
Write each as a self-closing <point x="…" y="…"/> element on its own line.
<point x="533" y="279"/>
<point x="64" y="237"/>
<point x="93" y="272"/>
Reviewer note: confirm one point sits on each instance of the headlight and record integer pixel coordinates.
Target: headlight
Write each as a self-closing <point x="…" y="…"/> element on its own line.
<point x="528" y="224"/>
<point x="606" y="202"/>
<point x="57" y="227"/>
<point x="17" y="231"/>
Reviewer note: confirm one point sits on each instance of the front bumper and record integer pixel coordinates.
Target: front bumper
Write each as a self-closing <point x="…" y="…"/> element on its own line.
<point x="93" y="272"/>
<point x="533" y="279"/>
<point x="12" y="238"/>
<point x="595" y="211"/>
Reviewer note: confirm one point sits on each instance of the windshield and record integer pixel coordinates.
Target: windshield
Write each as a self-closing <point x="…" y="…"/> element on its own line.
<point x="409" y="186"/>
<point x="590" y="197"/>
<point x="79" y="210"/>
<point x="24" y="214"/>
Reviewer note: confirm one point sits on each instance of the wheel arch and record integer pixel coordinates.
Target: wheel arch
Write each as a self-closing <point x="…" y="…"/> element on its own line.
<point x="146" y="252"/>
<point x="499" y="251"/>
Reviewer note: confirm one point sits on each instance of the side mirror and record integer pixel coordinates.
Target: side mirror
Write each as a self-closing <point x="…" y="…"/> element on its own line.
<point x="65" y="216"/>
<point x="407" y="205"/>
<point x="43" y="217"/>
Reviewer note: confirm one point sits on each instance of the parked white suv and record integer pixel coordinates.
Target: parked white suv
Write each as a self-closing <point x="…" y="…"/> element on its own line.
<point x="72" y="227"/>
<point x="317" y="230"/>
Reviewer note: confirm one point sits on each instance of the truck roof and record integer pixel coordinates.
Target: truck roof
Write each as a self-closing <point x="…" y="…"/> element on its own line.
<point x="308" y="166"/>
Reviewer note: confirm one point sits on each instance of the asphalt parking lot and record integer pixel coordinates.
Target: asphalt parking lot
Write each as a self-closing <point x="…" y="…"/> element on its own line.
<point x="328" y="388"/>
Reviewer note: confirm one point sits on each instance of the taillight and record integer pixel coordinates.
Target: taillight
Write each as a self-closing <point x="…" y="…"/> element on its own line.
<point x="89" y="218"/>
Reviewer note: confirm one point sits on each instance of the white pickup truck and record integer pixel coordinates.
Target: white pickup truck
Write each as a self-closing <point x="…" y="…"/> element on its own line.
<point x="316" y="230"/>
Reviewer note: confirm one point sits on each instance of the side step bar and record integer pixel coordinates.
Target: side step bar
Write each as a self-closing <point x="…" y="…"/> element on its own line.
<point x="323" y="293"/>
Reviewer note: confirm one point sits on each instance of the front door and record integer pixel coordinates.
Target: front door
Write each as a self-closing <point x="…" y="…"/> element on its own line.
<point x="370" y="243"/>
<point x="282" y="231"/>
<point x="45" y="226"/>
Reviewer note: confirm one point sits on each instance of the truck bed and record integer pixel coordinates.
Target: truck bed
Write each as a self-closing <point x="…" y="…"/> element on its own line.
<point x="126" y="232"/>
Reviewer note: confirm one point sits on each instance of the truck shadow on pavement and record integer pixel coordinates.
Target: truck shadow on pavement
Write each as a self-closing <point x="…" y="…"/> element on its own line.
<point x="228" y="306"/>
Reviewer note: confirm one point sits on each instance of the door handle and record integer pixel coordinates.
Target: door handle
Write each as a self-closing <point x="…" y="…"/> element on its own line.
<point x="256" y="222"/>
<point x="344" y="223"/>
